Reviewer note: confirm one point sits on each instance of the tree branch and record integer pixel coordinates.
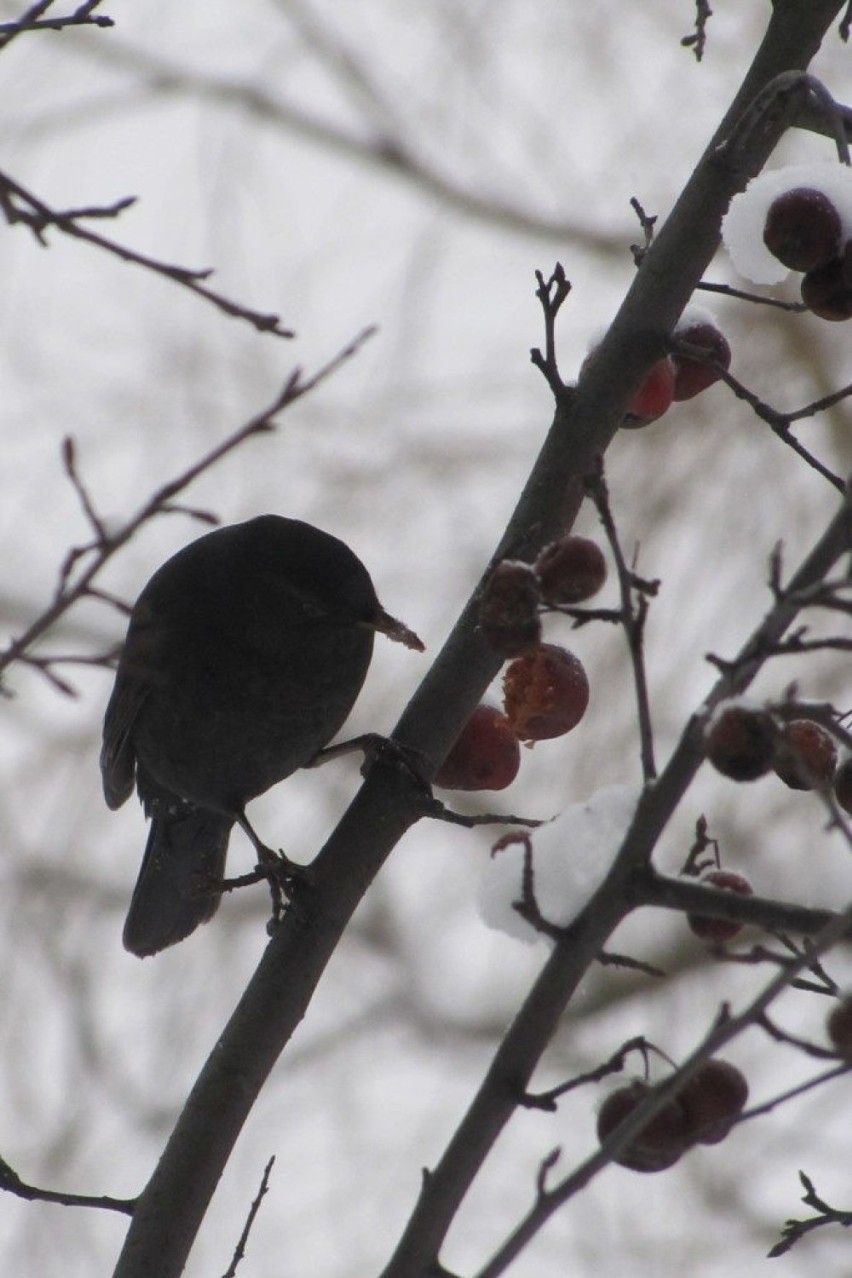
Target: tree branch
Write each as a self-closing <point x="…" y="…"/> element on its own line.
<point x="20" y="205"/>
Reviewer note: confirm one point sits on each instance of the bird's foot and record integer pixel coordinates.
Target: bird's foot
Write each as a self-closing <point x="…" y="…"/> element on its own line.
<point x="285" y="877"/>
<point x="378" y="749"/>
<point x="416" y="766"/>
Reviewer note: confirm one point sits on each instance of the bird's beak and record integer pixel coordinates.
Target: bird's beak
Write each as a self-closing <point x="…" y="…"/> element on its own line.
<point x="396" y="630"/>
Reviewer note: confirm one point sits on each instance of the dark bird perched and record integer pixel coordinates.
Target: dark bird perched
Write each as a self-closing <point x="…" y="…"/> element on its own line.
<point x="244" y="654"/>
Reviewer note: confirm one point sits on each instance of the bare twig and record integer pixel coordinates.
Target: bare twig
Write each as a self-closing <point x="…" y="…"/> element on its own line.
<point x="614" y="1065"/>
<point x="607" y="959"/>
<point x="635" y="595"/>
<point x="697" y="39"/>
<point x="240" y="1249"/>
<point x="795" y="1229"/>
<point x="21" y="206"/>
<point x="551" y="293"/>
<point x="728" y="290"/>
<point x="32" y="20"/>
<point x="695" y="863"/>
<point x="779" y="1035"/>
<point x="778" y="422"/>
<point x="11" y="1182"/>
<point x="647" y="223"/>
<point x="809" y="1085"/>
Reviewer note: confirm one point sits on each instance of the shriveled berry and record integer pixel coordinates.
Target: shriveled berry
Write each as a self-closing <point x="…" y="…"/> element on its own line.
<point x="570" y="570"/>
<point x="691" y="376"/>
<point x="508" y="609"/>
<point x="712" y="1098"/>
<point x="802" y="228"/>
<point x="805" y="756"/>
<point x="740" y="742"/>
<point x="839" y="1026"/>
<point x="653" y="397"/>
<point x="485" y="756"/>
<point x="715" y="929"/>
<point x="659" y="1144"/>
<point x="827" y="290"/>
<point x="843" y="784"/>
<point x="545" y="693"/>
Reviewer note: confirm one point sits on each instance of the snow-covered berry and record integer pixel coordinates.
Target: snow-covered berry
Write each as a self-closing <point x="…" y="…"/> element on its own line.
<point x="802" y="228"/>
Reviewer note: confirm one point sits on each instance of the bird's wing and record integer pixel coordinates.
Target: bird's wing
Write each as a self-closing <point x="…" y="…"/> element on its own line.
<point x="143" y="654"/>
<point x="118" y="757"/>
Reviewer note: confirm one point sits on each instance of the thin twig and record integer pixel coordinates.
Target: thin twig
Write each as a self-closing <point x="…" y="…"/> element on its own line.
<point x="614" y="1065"/>
<point x="697" y="39"/>
<point x="11" y="1182"/>
<point x="240" y="1249"/>
<point x="647" y="222"/>
<point x="551" y="293"/>
<point x="83" y="16"/>
<point x="742" y="295"/>
<point x="795" y="1229"/>
<point x="634" y="610"/>
<point x="778" y="422"/>
<point x="21" y="206"/>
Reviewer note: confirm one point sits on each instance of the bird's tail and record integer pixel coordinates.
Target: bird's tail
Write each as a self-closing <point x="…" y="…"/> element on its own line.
<point x="176" y="889"/>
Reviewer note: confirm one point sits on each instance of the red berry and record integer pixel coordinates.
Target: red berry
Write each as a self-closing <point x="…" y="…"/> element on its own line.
<point x="843" y="785"/>
<point x="653" y="397"/>
<point x="508" y="609"/>
<point x="485" y="756"/>
<point x="805" y="756"/>
<point x="712" y="1098"/>
<point x="545" y="693"/>
<point x="691" y="376"/>
<point x="659" y="1144"/>
<point x="840" y="1026"/>
<point x="719" y="930"/>
<point x="827" y="290"/>
<point x="740" y="742"/>
<point x="570" y="570"/>
<point x="802" y="228"/>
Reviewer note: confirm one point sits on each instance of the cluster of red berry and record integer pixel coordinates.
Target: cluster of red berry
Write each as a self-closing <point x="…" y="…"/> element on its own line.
<point x="545" y="687"/>
<point x="804" y="230"/>
<point x="745" y="742"/>
<point x="701" y="1114"/>
<point x="678" y="376"/>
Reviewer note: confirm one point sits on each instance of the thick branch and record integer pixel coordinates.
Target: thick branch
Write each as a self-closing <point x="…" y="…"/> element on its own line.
<point x="696" y="897"/>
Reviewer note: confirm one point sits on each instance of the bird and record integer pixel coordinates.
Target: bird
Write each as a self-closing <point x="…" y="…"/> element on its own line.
<point x="244" y="654"/>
